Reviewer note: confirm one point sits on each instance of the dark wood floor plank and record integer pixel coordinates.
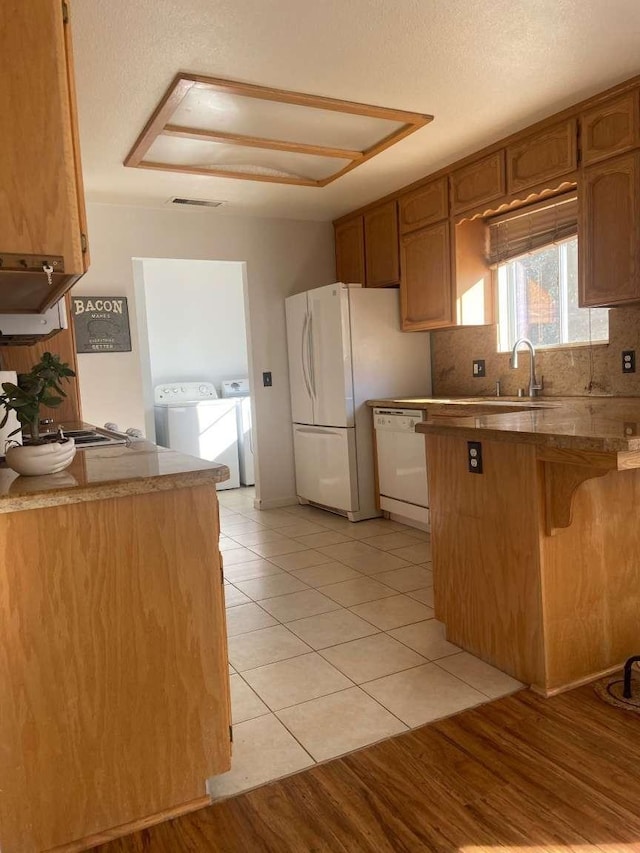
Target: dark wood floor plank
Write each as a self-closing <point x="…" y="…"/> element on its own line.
<point x="551" y="788"/>
<point x="520" y="774"/>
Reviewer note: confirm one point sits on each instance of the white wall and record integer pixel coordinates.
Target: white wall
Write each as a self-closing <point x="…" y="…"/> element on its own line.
<point x="282" y="257"/>
<point x="185" y="302"/>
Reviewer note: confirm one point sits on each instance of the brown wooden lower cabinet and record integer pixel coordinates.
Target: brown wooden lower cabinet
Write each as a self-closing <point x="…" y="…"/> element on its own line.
<point x="113" y="666"/>
<point x="426" y="297"/>
<point x="536" y="561"/>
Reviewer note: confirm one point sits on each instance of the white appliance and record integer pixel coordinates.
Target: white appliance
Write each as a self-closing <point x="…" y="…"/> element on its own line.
<point x="23" y="328"/>
<point x="190" y="419"/>
<point x="346" y="347"/>
<point x="402" y="464"/>
<point x="239" y="388"/>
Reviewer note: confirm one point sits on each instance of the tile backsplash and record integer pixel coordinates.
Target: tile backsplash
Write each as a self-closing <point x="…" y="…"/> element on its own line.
<point x="578" y="371"/>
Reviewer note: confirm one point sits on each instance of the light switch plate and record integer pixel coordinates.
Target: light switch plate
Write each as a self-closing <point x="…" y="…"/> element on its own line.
<point x="479" y="367"/>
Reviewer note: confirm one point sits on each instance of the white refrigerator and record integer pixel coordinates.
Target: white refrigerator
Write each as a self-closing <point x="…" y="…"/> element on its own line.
<point x="346" y="347"/>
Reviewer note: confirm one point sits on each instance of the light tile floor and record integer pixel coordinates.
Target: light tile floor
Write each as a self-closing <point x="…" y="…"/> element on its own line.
<point x="332" y="641"/>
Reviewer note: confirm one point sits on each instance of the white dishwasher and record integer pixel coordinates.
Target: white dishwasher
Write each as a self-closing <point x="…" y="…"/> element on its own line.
<point x="402" y="464"/>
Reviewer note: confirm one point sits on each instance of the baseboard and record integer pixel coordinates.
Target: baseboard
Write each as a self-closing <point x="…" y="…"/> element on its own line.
<point x="548" y="692"/>
<point x="275" y="503"/>
<point x="99" y="838"/>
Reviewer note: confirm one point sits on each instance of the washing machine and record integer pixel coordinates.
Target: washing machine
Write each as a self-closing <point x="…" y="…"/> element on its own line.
<point x="191" y="419"/>
<point x="238" y="389"/>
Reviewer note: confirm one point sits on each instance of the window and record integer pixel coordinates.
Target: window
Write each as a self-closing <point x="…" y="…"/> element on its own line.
<point x="535" y="252"/>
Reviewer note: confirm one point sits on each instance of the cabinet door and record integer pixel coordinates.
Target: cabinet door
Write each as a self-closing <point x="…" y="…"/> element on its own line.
<point x="543" y="156"/>
<point x="381" y="245"/>
<point x="41" y="205"/>
<point x="424" y="206"/>
<point x="610" y="128"/>
<point x="609" y="232"/>
<point x="350" y="251"/>
<point x="426" y="299"/>
<point x="478" y="183"/>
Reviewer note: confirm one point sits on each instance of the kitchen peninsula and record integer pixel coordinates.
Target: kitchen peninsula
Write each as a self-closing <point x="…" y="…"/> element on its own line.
<point x="113" y="663"/>
<point x="536" y="550"/>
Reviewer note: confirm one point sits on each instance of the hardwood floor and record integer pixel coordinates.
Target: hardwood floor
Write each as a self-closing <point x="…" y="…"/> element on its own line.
<point x="520" y="773"/>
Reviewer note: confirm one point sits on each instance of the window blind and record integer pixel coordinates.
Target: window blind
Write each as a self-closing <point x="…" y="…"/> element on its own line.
<point x="519" y="232"/>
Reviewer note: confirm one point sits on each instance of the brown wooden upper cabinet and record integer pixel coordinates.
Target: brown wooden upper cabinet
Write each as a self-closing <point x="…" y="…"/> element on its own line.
<point x="543" y="156"/>
<point x="426" y="298"/>
<point x="610" y="129"/>
<point x="478" y="183"/>
<point x="609" y="232"/>
<point x="425" y="206"/>
<point x="42" y="217"/>
<point x="350" y="251"/>
<point x="382" y="262"/>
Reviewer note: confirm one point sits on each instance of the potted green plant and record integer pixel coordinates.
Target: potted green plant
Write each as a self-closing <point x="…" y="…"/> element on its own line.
<point x="41" y="386"/>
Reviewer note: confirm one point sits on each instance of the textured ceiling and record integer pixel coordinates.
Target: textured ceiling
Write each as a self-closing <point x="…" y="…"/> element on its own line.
<point x="483" y="68"/>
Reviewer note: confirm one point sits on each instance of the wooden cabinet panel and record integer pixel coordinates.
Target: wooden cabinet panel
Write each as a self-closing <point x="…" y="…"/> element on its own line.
<point x="382" y="264"/>
<point x="609" y="232"/>
<point x="478" y="182"/>
<point x="543" y="156"/>
<point x="424" y="206"/>
<point x="426" y="299"/>
<point x="610" y="128"/>
<point x="350" y="251"/>
<point x="41" y="204"/>
<point x="110" y="641"/>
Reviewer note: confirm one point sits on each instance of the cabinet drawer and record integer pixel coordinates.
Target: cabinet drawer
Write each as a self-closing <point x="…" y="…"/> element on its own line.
<point x="382" y="263"/>
<point x="543" y="156"/>
<point x="610" y="128"/>
<point x="350" y="251"/>
<point x="478" y="182"/>
<point x="426" y="300"/>
<point x="424" y="206"/>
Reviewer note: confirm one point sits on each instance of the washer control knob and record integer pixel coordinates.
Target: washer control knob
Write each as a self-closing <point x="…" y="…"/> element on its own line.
<point x="203" y="389"/>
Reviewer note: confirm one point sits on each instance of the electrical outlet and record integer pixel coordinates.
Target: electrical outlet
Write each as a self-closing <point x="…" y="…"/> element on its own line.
<point x="479" y="367"/>
<point x="628" y="361"/>
<point x="267" y="380"/>
<point x="474" y="457"/>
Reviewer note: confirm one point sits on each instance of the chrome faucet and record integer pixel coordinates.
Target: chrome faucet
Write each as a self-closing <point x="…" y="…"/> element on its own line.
<point x="534" y="385"/>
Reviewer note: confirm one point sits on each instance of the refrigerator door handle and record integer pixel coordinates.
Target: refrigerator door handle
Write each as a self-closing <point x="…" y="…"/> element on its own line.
<point x="304" y="345"/>
<point x="312" y="368"/>
<point x="318" y="430"/>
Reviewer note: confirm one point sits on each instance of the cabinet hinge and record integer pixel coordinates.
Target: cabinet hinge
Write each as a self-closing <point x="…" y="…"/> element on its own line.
<point x="65" y="12"/>
<point x="231" y="733"/>
<point x="83" y="242"/>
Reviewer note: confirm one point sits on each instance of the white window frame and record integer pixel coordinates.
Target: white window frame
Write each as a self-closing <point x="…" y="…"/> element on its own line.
<point x="506" y="301"/>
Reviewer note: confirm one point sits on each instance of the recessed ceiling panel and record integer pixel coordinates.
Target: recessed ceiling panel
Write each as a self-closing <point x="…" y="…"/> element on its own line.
<point x="216" y="156"/>
<point x="209" y="126"/>
<point x="206" y="108"/>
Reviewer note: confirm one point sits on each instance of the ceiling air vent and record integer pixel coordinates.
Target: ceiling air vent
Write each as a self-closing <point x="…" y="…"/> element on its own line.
<point x="196" y="202"/>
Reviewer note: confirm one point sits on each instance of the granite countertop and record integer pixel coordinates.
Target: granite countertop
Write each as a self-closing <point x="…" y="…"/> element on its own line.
<point x="103" y="472"/>
<point x="601" y="424"/>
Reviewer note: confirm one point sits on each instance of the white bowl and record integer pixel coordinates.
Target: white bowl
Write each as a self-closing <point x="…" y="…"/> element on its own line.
<point x="34" y="460"/>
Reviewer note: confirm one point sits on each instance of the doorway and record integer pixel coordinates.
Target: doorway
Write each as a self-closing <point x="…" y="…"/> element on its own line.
<point x="192" y="328"/>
